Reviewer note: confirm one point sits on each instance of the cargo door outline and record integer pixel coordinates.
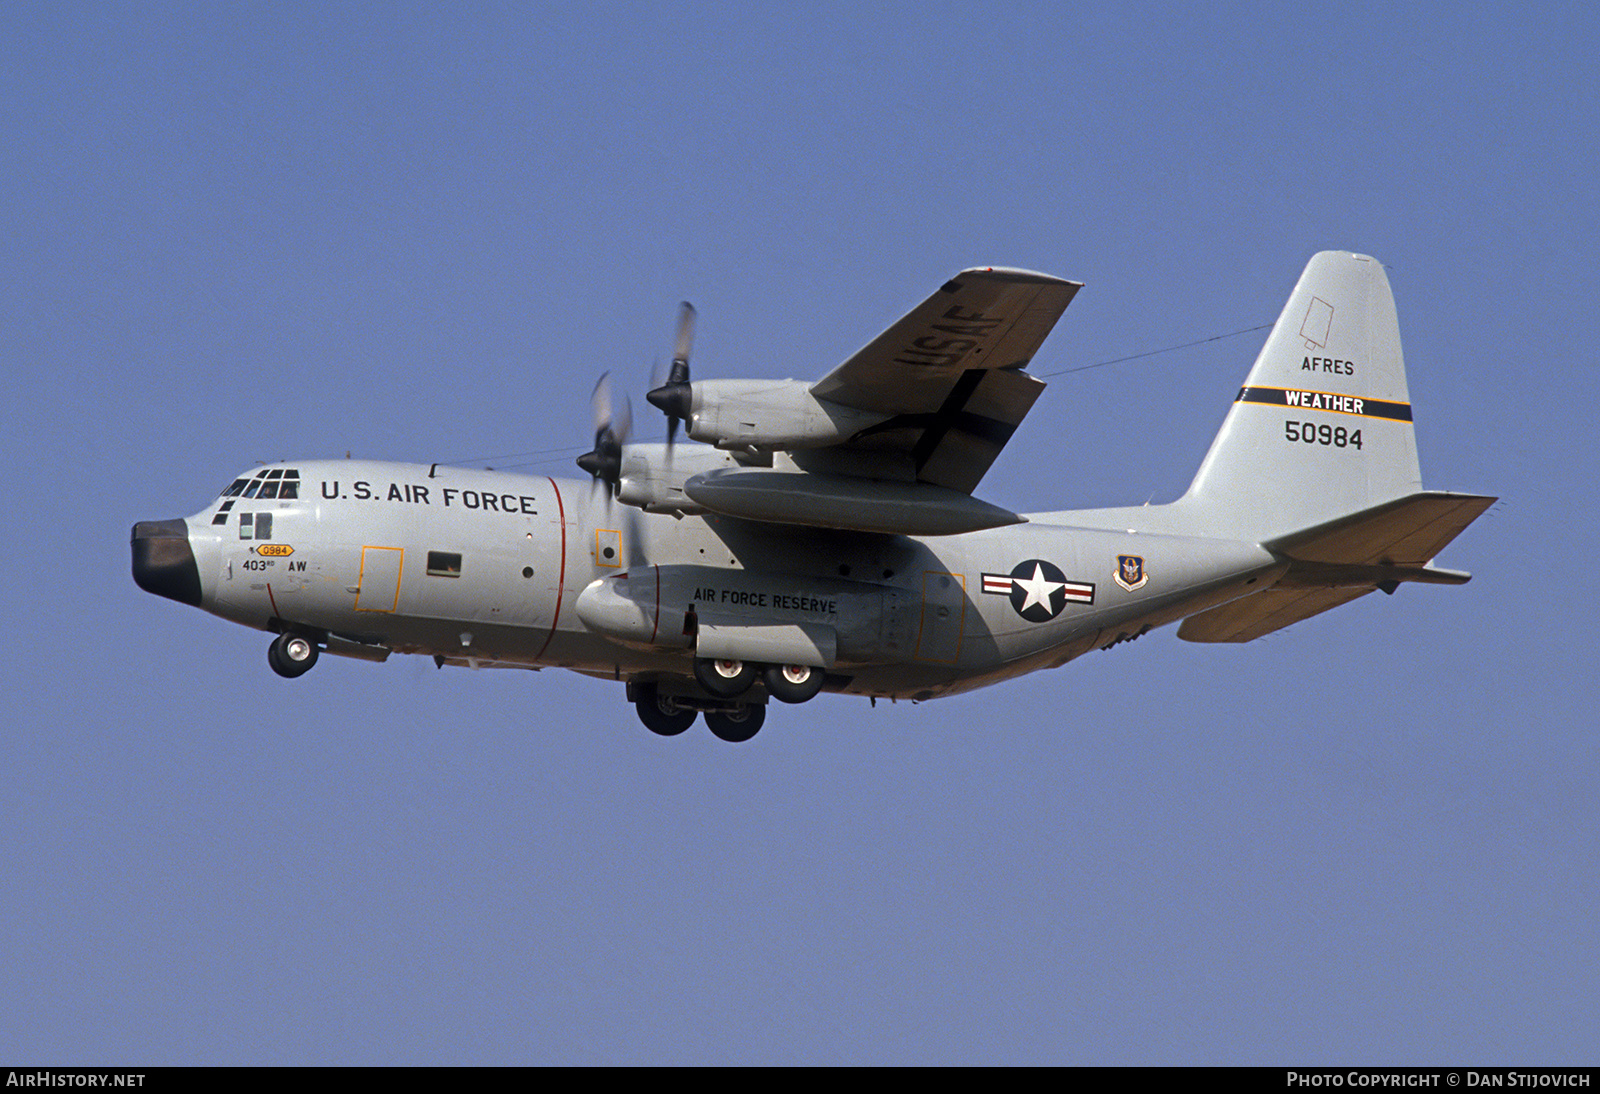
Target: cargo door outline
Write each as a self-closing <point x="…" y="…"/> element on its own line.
<point x="944" y="611"/>
<point x="378" y="586"/>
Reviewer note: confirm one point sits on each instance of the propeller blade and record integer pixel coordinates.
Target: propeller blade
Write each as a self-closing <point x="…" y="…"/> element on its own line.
<point x="675" y="397"/>
<point x="600" y="401"/>
<point x="613" y="422"/>
<point x="622" y="426"/>
<point x="680" y="353"/>
<point x="632" y="547"/>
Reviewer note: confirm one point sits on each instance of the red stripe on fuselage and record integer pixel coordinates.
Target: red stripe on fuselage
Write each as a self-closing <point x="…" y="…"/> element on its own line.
<point x="561" y="579"/>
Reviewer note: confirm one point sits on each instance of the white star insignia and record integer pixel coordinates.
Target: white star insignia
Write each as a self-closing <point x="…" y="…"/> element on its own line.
<point x="1038" y="589"/>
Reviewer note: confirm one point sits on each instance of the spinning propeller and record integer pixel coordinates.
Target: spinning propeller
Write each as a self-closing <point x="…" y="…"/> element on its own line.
<point x="673" y="398"/>
<point x="613" y="416"/>
<point x="613" y="422"/>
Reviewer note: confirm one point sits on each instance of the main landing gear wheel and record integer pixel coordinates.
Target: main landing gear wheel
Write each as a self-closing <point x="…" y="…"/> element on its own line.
<point x="792" y="683"/>
<point x="660" y="714"/>
<point x="724" y="678"/>
<point x="739" y="724"/>
<point x="292" y="655"/>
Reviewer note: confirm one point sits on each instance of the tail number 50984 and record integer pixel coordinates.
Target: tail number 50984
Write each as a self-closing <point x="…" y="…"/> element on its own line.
<point x="1311" y="433"/>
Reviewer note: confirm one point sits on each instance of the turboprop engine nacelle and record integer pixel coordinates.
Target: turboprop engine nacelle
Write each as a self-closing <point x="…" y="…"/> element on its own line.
<point x="770" y="414"/>
<point x="652" y="476"/>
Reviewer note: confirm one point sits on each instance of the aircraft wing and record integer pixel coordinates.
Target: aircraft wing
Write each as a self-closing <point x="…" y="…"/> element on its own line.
<point x="949" y="375"/>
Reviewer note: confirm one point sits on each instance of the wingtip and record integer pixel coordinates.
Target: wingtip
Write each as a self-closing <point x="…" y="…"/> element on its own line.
<point x="1014" y="274"/>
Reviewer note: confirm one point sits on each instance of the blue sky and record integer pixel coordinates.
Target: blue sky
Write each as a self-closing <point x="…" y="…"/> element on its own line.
<point x="245" y="232"/>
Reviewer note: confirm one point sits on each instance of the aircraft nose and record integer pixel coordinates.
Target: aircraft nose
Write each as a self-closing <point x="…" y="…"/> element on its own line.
<point x="163" y="560"/>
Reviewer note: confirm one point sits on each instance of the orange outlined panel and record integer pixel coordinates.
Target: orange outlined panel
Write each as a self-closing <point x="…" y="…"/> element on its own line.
<point x="379" y="584"/>
<point x="944" y="614"/>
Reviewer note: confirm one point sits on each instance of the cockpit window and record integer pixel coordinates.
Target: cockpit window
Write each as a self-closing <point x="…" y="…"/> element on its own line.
<point x="255" y="525"/>
<point x="277" y="482"/>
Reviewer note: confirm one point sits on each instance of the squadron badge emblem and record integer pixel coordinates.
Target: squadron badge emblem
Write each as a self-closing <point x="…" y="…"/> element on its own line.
<point x="1130" y="572"/>
<point x="1038" y="590"/>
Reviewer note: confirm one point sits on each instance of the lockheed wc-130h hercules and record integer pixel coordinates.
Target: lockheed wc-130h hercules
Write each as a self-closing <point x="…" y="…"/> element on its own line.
<point x="825" y="536"/>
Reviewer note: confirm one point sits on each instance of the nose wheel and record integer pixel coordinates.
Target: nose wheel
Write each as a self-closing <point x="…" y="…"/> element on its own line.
<point x="292" y="655"/>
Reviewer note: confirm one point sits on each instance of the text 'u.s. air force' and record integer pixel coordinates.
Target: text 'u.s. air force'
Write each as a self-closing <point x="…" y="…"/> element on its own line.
<point x="449" y="497"/>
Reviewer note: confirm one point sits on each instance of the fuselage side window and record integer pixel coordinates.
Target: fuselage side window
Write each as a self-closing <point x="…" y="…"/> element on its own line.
<point x="444" y="564"/>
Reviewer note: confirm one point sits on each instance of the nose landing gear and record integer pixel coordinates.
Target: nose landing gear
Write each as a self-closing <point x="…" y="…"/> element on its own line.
<point x="292" y="655"/>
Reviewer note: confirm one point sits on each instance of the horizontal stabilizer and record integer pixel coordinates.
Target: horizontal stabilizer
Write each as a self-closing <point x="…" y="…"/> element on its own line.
<point x="1406" y="531"/>
<point x="1343" y="575"/>
<point x="1336" y="562"/>
<point x="1265" y="612"/>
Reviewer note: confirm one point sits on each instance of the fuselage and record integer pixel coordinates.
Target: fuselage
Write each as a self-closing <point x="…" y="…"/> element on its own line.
<point x="828" y="539"/>
<point x="493" y="568"/>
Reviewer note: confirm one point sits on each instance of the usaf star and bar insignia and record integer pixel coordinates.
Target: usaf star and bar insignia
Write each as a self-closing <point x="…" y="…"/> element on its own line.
<point x="1038" y="590"/>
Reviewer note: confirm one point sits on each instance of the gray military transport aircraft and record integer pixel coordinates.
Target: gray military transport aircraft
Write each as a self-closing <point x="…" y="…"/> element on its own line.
<point x="825" y="537"/>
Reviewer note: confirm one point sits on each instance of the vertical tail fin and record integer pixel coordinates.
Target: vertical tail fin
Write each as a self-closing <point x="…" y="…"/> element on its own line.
<point x="1322" y="426"/>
